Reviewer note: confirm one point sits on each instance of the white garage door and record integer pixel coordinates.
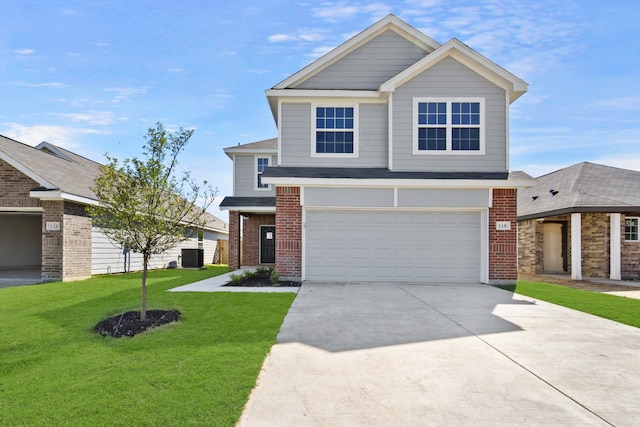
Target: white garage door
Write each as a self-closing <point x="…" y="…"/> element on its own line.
<point x="410" y="247"/>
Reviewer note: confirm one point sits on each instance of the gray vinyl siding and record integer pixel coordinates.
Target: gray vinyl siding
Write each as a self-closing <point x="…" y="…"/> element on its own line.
<point x="107" y="257"/>
<point x="449" y="78"/>
<point x="369" y="66"/>
<point x="297" y="130"/>
<point x="244" y="175"/>
<point x="348" y="197"/>
<point x="437" y="198"/>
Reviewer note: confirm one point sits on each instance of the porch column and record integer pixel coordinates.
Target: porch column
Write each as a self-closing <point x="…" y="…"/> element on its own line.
<point x="614" y="247"/>
<point x="576" y="246"/>
<point x="234" y="240"/>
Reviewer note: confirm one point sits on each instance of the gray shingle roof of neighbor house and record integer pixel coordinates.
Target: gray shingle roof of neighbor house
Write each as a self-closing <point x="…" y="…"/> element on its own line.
<point x="584" y="187"/>
<point x="52" y="167"/>
<point x="57" y="169"/>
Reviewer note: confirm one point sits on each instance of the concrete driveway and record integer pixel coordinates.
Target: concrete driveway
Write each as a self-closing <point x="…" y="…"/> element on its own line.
<point x="20" y="276"/>
<point x="413" y="355"/>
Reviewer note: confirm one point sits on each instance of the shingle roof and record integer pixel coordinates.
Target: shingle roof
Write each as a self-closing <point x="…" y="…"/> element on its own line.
<point x="229" y="202"/>
<point x="584" y="187"/>
<point x="74" y="175"/>
<point x="383" y="173"/>
<point x="265" y="144"/>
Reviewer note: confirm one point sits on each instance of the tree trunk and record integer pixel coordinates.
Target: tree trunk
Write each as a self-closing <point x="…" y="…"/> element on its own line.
<point x="143" y="305"/>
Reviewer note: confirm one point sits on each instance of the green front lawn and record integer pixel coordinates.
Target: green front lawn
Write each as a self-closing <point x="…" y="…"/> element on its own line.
<point x="620" y="309"/>
<point x="54" y="370"/>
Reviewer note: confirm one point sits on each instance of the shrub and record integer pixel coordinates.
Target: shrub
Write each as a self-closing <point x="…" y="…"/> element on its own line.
<point x="235" y="278"/>
<point x="274" y="277"/>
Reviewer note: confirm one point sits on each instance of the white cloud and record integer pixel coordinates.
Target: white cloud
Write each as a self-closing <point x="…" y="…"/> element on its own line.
<point x="101" y="118"/>
<point x="623" y="103"/>
<point x="123" y="93"/>
<point x="24" y="51"/>
<point x="62" y="136"/>
<point x="25" y="84"/>
<point x="277" y="38"/>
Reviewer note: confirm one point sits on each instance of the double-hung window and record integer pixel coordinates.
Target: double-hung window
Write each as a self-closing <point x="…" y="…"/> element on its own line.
<point x="261" y="164"/>
<point x="448" y="126"/>
<point x="335" y="132"/>
<point x="631" y="229"/>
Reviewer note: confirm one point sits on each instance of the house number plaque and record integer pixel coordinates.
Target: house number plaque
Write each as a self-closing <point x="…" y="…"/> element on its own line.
<point x="52" y="226"/>
<point x="503" y="225"/>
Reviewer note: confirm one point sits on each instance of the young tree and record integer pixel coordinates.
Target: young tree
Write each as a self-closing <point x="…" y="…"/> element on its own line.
<point x="144" y="205"/>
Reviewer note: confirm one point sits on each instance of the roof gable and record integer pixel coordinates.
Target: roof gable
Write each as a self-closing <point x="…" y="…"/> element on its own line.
<point x="581" y="187"/>
<point x="266" y="146"/>
<point x="462" y="53"/>
<point x="390" y="22"/>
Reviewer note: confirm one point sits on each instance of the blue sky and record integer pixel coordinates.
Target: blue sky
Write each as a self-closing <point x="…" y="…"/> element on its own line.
<point x="93" y="76"/>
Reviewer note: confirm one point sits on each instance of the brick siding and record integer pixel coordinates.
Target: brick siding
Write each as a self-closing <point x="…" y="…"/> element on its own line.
<point x="15" y="187"/>
<point x="503" y="261"/>
<point x="234" y="240"/>
<point x="288" y="233"/>
<point x="251" y="236"/>
<point x="595" y="245"/>
<point x="52" y="241"/>
<point x="630" y="255"/>
<point x="530" y="252"/>
<point x="77" y="242"/>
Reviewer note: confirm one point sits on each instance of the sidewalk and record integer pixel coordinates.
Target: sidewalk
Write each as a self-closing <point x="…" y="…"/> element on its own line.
<point x="216" y="284"/>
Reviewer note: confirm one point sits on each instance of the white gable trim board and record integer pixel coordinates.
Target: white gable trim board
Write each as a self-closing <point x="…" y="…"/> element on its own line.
<point x="426" y="235"/>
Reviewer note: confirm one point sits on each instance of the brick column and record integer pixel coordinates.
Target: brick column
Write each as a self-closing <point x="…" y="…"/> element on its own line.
<point x="76" y="242"/>
<point x="288" y="233"/>
<point x="234" y="240"/>
<point x="503" y="255"/>
<point x="52" y="241"/>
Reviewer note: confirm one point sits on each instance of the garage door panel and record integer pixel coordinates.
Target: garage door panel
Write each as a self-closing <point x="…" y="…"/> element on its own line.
<point x="393" y="246"/>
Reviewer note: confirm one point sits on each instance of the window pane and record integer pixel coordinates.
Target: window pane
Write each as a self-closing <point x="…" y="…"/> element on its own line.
<point x="319" y="123"/>
<point x="348" y="112"/>
<point x="330" y="112"/>
<point x="465" y="139"/>
<point x="319" y="112"/>
<point x="348" y="124"/>
<point x="422" y="108"/>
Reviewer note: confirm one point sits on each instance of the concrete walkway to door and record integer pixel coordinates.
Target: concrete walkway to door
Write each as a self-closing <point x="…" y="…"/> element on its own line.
<point x="413" y="355"/>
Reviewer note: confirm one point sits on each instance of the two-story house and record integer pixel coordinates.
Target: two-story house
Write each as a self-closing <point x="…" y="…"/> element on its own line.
<point x="391" y="165"/>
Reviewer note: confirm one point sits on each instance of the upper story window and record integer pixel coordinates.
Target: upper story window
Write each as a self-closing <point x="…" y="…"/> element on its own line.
<point x="336" y="133"/>
<point x="631" y="229"/>
<point x="448" y="126"/>
<point x="261" y="164"/>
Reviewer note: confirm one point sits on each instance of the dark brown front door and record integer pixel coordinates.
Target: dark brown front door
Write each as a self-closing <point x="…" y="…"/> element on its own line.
<point x="267" y="244"/>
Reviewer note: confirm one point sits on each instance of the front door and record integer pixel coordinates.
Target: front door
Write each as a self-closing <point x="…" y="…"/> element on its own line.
<point x="553" y="261"/>
<point x="267" y="244"/>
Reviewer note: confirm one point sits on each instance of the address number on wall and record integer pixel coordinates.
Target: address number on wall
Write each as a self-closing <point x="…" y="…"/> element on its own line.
<point x="52" y="226"/>
<point x="503" y="225"/>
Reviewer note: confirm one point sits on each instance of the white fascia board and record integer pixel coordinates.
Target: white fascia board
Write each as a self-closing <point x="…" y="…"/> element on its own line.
<point x="468" y="57"/>
<point x="25" y="170"/>
<point x="20" y="209"/>
<point x="399" y="183"/>
<point x="390" y="22"/>
<point x="61" y="195"/>
<point x="251" y="152"/>
<point x="323" y="93"/>
<point x="253" y="209"/>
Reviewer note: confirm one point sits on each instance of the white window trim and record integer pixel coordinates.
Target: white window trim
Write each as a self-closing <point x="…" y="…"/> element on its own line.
<point x="255" y="172"/>
<point x="449" y="125"/>
<point x="638" y="232"/>
<point x="356" y="121"/>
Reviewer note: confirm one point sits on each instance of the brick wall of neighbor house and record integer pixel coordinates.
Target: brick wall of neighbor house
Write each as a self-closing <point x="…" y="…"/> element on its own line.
<point x="251" y="236"/>
<point x="77" y="242"/>
<point x="530" y="252"/>
<point x="288" y="233"/>
<point x="595" y="245"/>
<point x="503" y="261"/>
<point x="234" y="240"/>
<point x="629" y="256"/>
<point x="15" y="186"/>
<point x="52" y="241"/>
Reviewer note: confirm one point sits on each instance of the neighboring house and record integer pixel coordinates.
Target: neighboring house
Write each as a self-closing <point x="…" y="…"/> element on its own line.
<point x="391" y="165"/>
<point x="582" y="220"/>
<point x="43" y="222"/>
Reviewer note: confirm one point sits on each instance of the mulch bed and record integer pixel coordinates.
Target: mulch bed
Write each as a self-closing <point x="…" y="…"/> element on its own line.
<point x="260" y="281"/>
<point x="129" y="324"/>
